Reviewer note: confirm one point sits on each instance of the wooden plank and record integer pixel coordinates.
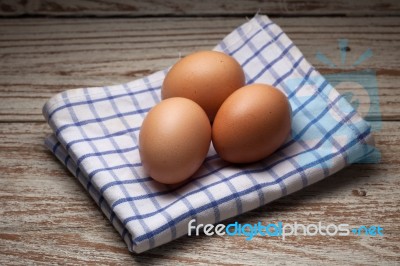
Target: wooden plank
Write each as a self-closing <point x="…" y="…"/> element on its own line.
<point x="198" y="8"/>
<point x="48" y="217"/>
<point x="41" y="57"/>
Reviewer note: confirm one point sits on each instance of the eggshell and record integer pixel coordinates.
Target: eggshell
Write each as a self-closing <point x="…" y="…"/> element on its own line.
<point x="206" y="77"/>
<point x="251" y="124"/>
<point x="174" y="140"/>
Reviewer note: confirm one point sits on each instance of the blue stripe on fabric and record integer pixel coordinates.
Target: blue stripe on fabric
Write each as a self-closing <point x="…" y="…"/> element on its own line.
<point x="67" y="159"/>
<point x="155" y="97"/>
<point x="303" y="176"/>
<point x="115" y="134"/>
<point x="273" y="62"/>
<point x="100" y="119"/>
<point x="259" y="50"/>
<point x="320" y="89"/>
<point x="291" y="93"/>
<point x="101" y="99"/>
<point x="102" y="153"/>
<point x="239" y="207"/>
<point x="119" y="182"/>
<point x="54" y="149"/>
<point x="281" y="78"/>
<point x="217" y="214"/>
<point x="117" y="167"/>
<point x="245" y="41"/>
<point x="282" y="185"/>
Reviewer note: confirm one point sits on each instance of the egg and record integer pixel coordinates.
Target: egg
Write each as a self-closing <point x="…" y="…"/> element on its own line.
<point x="206" y="77"/>
<point x="251" y="124"/>
<point x="174" y="139"/>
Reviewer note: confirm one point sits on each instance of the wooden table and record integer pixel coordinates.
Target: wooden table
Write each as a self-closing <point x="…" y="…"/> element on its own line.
<point x="48" y="46"/>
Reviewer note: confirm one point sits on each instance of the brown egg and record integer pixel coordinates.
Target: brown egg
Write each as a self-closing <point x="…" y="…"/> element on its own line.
<point x="206" y="77"/>
<point x="251" y="124"/>
<point x="174" y="140"/>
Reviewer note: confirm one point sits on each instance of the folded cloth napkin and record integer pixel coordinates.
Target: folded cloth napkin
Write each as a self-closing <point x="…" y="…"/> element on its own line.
<point x="96" y="136"/>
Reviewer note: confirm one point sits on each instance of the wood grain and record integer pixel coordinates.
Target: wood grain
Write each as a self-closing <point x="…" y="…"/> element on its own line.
<point x="137" y="8"/>
<point x="48" y="217"/>
<point x="40" y="57"/>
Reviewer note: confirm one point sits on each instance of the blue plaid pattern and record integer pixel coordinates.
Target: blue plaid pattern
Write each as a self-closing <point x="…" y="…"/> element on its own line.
<point x="96" y="134"/>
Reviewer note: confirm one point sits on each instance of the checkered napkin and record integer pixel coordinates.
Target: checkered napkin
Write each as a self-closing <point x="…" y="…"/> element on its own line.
<point x="96" y="136"/>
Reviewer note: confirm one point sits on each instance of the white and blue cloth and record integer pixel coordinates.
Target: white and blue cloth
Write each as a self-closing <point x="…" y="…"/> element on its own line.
<point x="96" y="136"/>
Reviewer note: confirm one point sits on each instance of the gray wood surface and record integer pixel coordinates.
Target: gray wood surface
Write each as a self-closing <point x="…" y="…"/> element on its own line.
<point x="139" y="8"/>
<point x="46" y="215"/>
